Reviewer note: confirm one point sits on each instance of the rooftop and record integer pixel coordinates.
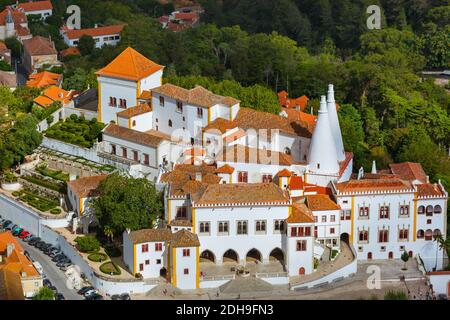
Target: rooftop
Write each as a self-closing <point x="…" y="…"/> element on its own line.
<point x="409" y="171"/>
<point x="39" y="46"/>
<point x="134" y="111"/>
<point x="184" y="238"/>
<point x="85" y="187"/>
<point x="300" y="214"/>
<point x="143" y="138"/>
<point x="243" y="154"/>
<point x="430" y="190"/>
<point x="8" y="79"/>
<point x="150" y="235"/>
<point x="44" y="79"/>
<point x="321" y="202"/>
<point x="35" y="6"/>
<point x="374" y="185"/>
<point x="94" y="32"/>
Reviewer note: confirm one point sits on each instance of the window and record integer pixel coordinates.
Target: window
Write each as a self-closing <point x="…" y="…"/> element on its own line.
<point x="146" y="159"/>
<point x="186" y="252"/>
<point x="383" y="236"/>
<point x="170" y="123"/>
<point x="324" y="218"/>
<point x="260" y="226"/>
<point x="158" y="246"/>
<point x="181" y="212"/>
<point x="134" y="123"/>
<point x="242" y="176"/>
<point x="158" y="261"/>
<point x="332" y="218"/>
<point x="316" y="219"/>
<point x="186" y="271"/>
<point x="300" y="231"/>
<point x="111" y="101"/>
<point x="346" y="215"/>
<point x="421" y="210"/>
<point x="147" y="262"/>
<point x="436" y="233"/>
<point x="404" y="211"/>
<point x="161" y="101"/>
<point x="437" y="209"/>
<point x="429" y="211"/>
<point x="420" y="234"/>
<point x="287" y="151"/>
<point x="242" y="227"/>
<point x="279" y="226"/>
<point x="113" y="149"/>
<point x="135" y="156"/>
<point x="200" y="113"/>
<point x="145" y="248"/>
<point x="266" y="178"/>
<point x="179" y="106"/>
<point x="403" y="234"/>
<point x="428" y="235"/>
<point x="331" y="230"/>
<point x="204" y="227"/>
<point x="384" y="212"/>
<point x="363" y="236"/>
<point x="124" y="152"/>
<point x="364" y="212"/>
<point x="223" y="227"/>
<point x="301" y="245"/>
<point x="141" y="267"/>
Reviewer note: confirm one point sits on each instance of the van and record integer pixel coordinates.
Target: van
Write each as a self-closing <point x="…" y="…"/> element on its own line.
<point x="38" y="267"/>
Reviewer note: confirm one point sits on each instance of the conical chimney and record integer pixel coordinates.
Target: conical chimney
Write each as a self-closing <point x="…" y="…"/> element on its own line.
<point x="334" y="122"/>
<point x="374" y="167"/>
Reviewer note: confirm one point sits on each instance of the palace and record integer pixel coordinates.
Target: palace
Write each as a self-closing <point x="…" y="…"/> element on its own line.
<point x="250" y="190"/>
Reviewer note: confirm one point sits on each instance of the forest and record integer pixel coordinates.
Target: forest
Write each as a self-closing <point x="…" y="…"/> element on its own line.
<point x="253" y="49"/>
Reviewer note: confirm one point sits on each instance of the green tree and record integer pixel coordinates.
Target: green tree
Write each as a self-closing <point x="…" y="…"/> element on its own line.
<point x="44" y="293"/>
<point x="124" y="202"/>
<point x="87" y="244"/>
<point x="405" y="258"/>
<point x="86" y="44"/>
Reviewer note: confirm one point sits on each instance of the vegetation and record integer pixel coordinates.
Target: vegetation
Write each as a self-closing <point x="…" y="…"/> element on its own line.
<point x="124" y="202"/>
<point x="38" y="202"/>
<point x="97" y="257"/>
<point x="55" y="211"/>
<point x="405" y="258"/>
<point x="61" y="188"/>
<point x="395" y="295"/>
<point x="76" y="130"/>
<point x="55" y="174"/>
<point x="9" y="177"/>
<point x="44" y="293"/>
<point x="110" y="268"/>
<point x="88" y="244"/>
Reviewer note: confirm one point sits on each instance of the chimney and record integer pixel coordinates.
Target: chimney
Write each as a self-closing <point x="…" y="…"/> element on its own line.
<point x="198" y="176"/>
<point x="128" y="230"/>
<point x="334" y="123"/>
<point x="374" y="167"/>
<point x="95" y="25"/>
<point x="9" y="249"/>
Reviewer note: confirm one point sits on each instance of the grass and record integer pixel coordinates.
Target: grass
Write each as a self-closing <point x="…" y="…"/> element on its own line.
<point x="97" y="257"/>
<point x="395" y="295"/>
<point x="55" y="174"/>
<point x="45" y="183"/>
<point x="38" y="202"/>
<point x="334" y="253"/>
<point x="110" y="268"/>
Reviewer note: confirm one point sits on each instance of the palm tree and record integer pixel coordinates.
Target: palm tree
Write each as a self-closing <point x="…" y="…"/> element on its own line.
<point x="108" y="233"/>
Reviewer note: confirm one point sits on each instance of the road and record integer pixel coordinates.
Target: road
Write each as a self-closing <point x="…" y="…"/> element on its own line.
<point x="54" y="274"/>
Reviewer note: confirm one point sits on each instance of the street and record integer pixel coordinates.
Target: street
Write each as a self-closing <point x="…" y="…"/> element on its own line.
<point x="54" y="274"/>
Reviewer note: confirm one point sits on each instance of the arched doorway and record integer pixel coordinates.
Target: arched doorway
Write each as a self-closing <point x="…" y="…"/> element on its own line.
<point x="369" y="256"/>
<point x="163" y="272"/>
<point x="345" y="237"/>
<point x="301" y="271"/>
<point x="207" y="256"/>
<point x="230" y="256"/>
<point x="253" y="256"/>
<point x="410" y="254"/>
<point x="276" y="255"/>
<point x="391" y="255"/>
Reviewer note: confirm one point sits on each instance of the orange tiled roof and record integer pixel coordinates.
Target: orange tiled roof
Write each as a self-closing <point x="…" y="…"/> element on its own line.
<point x="284" y="173"/>
<point x="374" y="185"/>
<point x="409" y="171"/>
<point x="226" y="168"/>
<point x="135" y="111"/>
<point x="130" y="65"/>
<point x="429" y="190"/>
<point x="244" y="154"/>
<point x="321" y="202"/>
<point x="144" y="138"/>
<point x="85" y="187"/>
<point x="296" y="183"/>
<point x="53" y="94"/>
<point x="18" y="16"/>
<point x="35" y="6"/>
<point x="150" y="235"/>
<point x="17" y="262"/>
<point x="235" y="135"/>
<point x="300" y="102"/>
<point x="300" y="214"/>
<point x="38" y="46"/>
<point x="43" y="101"/>
<point x="70" y="51"/>
<point x="95" y="32"/>
<point x="184" y="238"/>
<point x="43" y="79"/>
<point x="145" y="95"/>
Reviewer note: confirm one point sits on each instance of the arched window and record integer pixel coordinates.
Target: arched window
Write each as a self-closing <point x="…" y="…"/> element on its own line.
<point x="287" y="150"/>
<point x="429" y="235"/>
<point x="436" y="233"/>
<point x="134" y="123"/>
<point x="437" y="209"/>
<point x="301" y="271"/>
<point x="363" y="235"/>
<point x="170" y="123"/>
<point x="429" y="210"/>
<point x="420" y="234"/>
<point x="421" y="210"/>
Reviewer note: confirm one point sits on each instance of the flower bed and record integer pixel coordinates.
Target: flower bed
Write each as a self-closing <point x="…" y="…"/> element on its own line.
<point x="110" y="268"/>
<point x="46" y="183"/>
<point x="97" y="257"/>
<point x="38" y="202"/>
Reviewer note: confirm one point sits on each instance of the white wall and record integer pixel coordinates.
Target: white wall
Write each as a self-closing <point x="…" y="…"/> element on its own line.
<point x="440" y="282"/>
<point x="186" y="281"/>
<point x="89" y="154"/>
<point x="120" y="89"/>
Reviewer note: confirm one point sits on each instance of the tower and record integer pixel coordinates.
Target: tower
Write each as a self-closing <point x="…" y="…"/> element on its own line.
<point x="334" y="123"/>
<point x="9" y="23"/>
<point x="323" y="159"/>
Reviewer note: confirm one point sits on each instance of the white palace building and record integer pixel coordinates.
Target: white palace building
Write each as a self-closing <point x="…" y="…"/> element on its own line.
<point x="254" y="191"/>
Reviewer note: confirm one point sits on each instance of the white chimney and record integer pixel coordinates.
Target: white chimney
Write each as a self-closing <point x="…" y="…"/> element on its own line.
<point x="95" y="25"/>
<point x="374" y="167"/>
<point x="9" y="249"/>
<point x="334" y="122"/>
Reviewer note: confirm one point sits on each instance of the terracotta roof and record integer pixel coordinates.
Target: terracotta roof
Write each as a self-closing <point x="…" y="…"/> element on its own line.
<point x="145" y="95"/>
<point x="409" y="171"/>
<point x="284" y="173"/>
<point x="70" y="51"/>
<point x="18" y="16"/>
<point x="180" y="223"/>
<point x="244" y="154"/>
<point x="44" y="79"/>
<point x="296" y="183"/>
<point x="186" y="16"/>
<point x="8" y="79"/>
<point x="371" y="185"/>
<point x="94" y="32"/>
<point x="192" y="169"/>
<point x="300" y="102"/>
<point x="300" y="214"/>
<point x="86" y="186"/>
<point x="150" y="235"/>
<point x="35" y="6"/>
<point x="321" y="202"/>
<point x="52" y="94"/>
<point x="226" y="168"/>
<point x="143" y="138"/>
<point x="430" y="190"/>
<point x="16" y="262"/>
<point x="130" y="65"/>
<point x="22" y="31"/>
<point x="38" y="46"/>
<point x="241" y="193"/>
<point x="184" y="238"/>
<point x="10" y="286"/>
<point x="309" y="188"/>
<point x="194" y="152"/>
<point x="134" y="111"/>
<point x="43" y="101"/>
<point x="343" y="164"/>
<point x="198" y="96"/>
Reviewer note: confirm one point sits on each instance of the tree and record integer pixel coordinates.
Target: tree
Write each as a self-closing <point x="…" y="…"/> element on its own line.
<point x="405" y="258"/>
<point x="44" y="293"/>
<point x="126" y="203"/>
<point x="86" y="44"/>
<point x="87" y="244"/>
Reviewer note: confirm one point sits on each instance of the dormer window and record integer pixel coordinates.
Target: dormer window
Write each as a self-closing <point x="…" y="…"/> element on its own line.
<point x="179" y="106"/>
<point x="161" y="101"/>
<point x="200" y="112"/>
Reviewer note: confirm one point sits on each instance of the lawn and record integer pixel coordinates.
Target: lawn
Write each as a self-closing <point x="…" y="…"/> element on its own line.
<point x="110" y="268"/>
<point x="76" y="130"/>
<point x="55" y="174"/>
<point x="38" y="202"/>
<point x="61" y="188"/>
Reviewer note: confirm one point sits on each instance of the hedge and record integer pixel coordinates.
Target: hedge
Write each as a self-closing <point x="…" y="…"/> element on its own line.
<point x="46" y="184"/>
<point x="88" y="244"/>
<point x="97" y="257"/>
<point x="110" y="268"/>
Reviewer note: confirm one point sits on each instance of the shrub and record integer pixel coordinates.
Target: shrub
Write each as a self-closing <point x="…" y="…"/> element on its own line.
<point x="87" y="244"/>
<point x="112" y="250"/>
<point x="9" y="177"/>
<point x="334" y="253"/>
<point x="46" y="184"/>
<point x="110" y="268"/>
<point x="97" y="257"/>
<point x="16" y="193"/>
<point x="55" y="211"/>
<point x="395" y="295"/>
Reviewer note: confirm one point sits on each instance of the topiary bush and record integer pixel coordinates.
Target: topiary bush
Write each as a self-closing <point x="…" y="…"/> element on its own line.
<point x="97" y="257"/>
<point x="110" y="268"/>
<point x="87" y="244"/>
<point x="55" y="211"/>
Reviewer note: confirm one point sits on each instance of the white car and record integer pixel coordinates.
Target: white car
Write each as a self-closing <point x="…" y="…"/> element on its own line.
<point x="90" y="292"/>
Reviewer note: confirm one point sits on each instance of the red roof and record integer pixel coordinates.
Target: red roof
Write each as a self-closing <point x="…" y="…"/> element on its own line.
<point x="186" y="16"/>
<point x="95" y="32"/>
<point x="296" y="183"/>
<point x="18" y="16"/>
<point x="300" y="102"/>
<point x="70" y="51"/>
<point x="35" y="6"/>
<point x="284" y="173"/>
<point x="409" y="171"/>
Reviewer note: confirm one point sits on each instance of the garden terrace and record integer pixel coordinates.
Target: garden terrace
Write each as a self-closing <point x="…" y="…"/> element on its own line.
<point x="54" y="174"/>
<point x="44" y="204"/>
<point x="76" y="130"/>
<point x="44" y="182"/>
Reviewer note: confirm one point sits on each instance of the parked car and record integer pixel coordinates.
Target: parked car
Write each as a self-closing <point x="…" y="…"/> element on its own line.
<point x="115" y="297"/>
<point x="17" y="231"/>
<point x="27" y="254"/>
<point x="6" y="223"/>
<point x="39" y="244"/>
<point x="47" y="283"/>
<point x="59" y="296"/>
<point x="45" y="246"/>
<point x="59" y="257"/>
<point x="125" y="296"/>
<point x="24" y="234"/>
<point x="83" y="290"/>
<point x="66" y="267"/>
<point x="54" y="254"/>
<point x="63" y="263"/>
<point x="94" y="296"/>
<point x="51" y="250"/>
<point x="90" y="292"/>
<point x="442" y="296"/>
<point x="34" y="240"/>
<point x="28" y="238"/>
<point x="53" y="288"/>
<point x="11" y="227"/>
